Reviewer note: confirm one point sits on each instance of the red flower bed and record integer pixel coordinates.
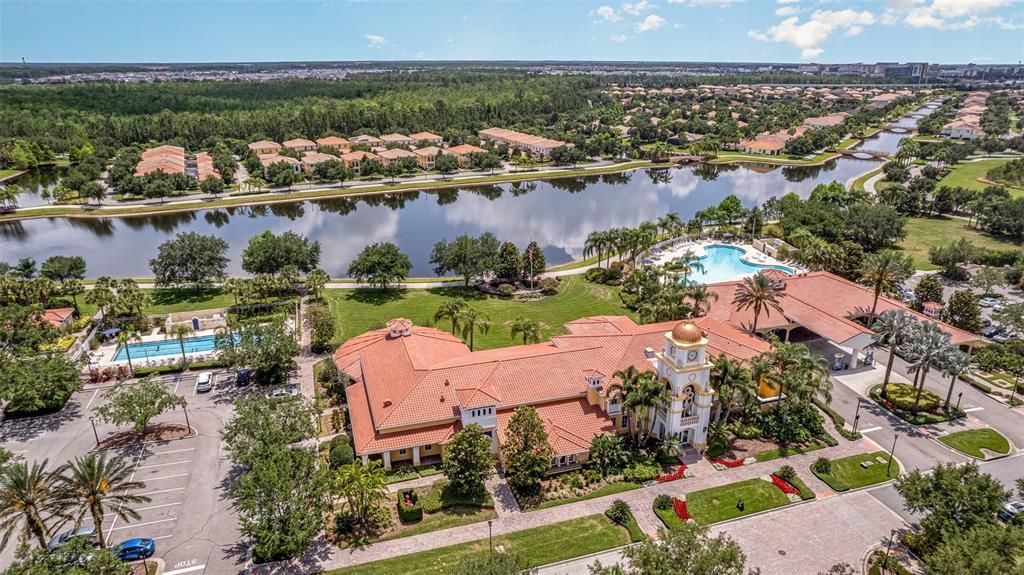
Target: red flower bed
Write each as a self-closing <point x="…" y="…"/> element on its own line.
<point x="677" y="474"/>
<point x="730" y="463"/>
<point x="784" y="485"/>
<point x="680" y="508"/>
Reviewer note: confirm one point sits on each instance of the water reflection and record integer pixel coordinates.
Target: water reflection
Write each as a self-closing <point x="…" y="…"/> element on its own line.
<point x="34" y="182"/>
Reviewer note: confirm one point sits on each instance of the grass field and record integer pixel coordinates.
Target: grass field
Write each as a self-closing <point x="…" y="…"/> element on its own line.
<point x="847" y="473"/>
<point x="972" y="441"/>
<point x="359" y="310"/>
<point x="966" y="174"/>
<point x="537" y="546"/>
<point x="858" y="184"/>
<point x="610" y="489"/>
<point x="719" y="503"/>
<point x="8" y="172"/>
<point x="922" y="233"/>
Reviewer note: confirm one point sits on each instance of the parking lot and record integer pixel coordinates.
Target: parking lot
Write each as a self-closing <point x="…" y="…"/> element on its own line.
<point x="189" y="514"/>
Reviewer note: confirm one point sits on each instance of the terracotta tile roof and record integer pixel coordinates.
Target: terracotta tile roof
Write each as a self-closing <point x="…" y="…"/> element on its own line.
<point x="464" y="149"/>
<point x="396" y="137"/>
<point x="165" y="150"/>
<point x="333" y="141"/>
<point x="269" y="159"/>
<point x="421" y="136"/>
<point x="314" y="158"/>
<point x="358" y="156"/>
<point x="427" y="151"/>
<point x="571" y="424"/>
<point x="264" y="144"/>
<point x="365" y="139"/>
<point x="299" y="143"/>
<point x="366" y="439"/>
<point x="58" y="316"/>
<point x="396" y="153"/>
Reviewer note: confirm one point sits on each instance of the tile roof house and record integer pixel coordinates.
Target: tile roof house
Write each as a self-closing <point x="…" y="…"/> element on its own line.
<point x="426" y="156"/>
<point x="368" y="140"/>
<point x="463" y="151"/>
<point x="264" y="147"/>
<point x="353" y="160"/>
<point x="399" y="139"/>
<point x="394" y="154"/>
<point x="536" y="145"/>
<point x="340" y="144"/>
<point x="59" y="317"/>
<point x="414" y="387"/>
<point x="428" y="137"/>
<point x="300" y="145"/>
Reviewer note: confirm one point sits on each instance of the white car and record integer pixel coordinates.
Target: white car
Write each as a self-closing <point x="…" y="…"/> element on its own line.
<point x="987" y="302"/>
<point x="282" y="392"/>
<point x="205" y="382"/>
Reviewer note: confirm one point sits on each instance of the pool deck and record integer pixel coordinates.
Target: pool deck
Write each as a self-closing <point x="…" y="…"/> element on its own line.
<point x="105" y="354"/>
<point x="675" y="249"/>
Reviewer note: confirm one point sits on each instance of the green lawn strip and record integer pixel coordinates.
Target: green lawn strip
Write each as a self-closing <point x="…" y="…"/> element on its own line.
<point x="537" y="546"/>
<point x="295" y="196"/>
<point x="967" y="174"/>
<point x="450" y="517"/>
<point x="360" y="310"/>
<point x="788" y="451"/>
<point x="669" y="518"/>
<point x="402" y="473"/>
<point x="806" y="492"/>
<point x="636" y="534"/>
<point x="574" y="265"/>
<point x="610" y="489"/>
<point x="717" y="504"/>
<point x="972" y="441"/>
<point x="923" y="233"/>
<point x="847" y="473"/>
<point x="6" y="173"/>
<point x="858" y="184"/>
<point x="785" y="160"/>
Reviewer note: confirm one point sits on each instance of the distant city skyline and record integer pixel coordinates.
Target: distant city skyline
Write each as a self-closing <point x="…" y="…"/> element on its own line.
<point x="825" y="31"/>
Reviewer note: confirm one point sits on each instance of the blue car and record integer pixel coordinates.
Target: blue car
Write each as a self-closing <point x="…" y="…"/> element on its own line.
<point x="138" y="548"/>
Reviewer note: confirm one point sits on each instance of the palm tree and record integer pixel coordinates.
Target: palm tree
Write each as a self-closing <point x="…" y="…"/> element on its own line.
<point x="657" y="151"/>
<point x="670" y="223"/>
<point x="625" y="386"/>
<point x="731" y="379"/>
<point x="955" y="364"/>
<point x="760" y="293"/>
<point x="362" y="487"/>
<point x="671" y="446"/>
<point x="125" y="337"/>
<point x="27" y="493"/>
<point x="528" y="328"/>
<point x="689" y="263"/>
<point x="473" y="321"/>
<point x="180" y="332"/>
<point x="927" y="344"/>
<point x="701" y="297"/>
<point x="646" y="397"/>
<point x="100" y="486"/>
<point x="885" y="271"/>
<point x="892" y="330"/>
<point x="9" y="196"/>
<point x="451" y="309"/>
<point x="316" y="280"/>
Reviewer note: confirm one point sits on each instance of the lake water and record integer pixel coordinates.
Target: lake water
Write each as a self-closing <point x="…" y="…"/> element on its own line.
<point x="558" y="214"/>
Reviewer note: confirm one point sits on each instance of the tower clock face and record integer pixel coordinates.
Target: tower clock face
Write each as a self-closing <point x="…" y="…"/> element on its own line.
<point x="691" y="355"/>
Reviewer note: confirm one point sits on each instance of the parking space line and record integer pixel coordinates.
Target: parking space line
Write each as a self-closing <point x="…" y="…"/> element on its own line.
<point x="155" y="465"/>
<point x="167" y="477"/>
<point x="94" y="394"/>
<point x="151" y="507"/>
<point x="133" y="525"/>
<point x="138" y="459"/>
<point x="162" y="537"/>
<point x="162" y="491"/>
<point x="174" y="451"/>
<point x="186" y="570"/>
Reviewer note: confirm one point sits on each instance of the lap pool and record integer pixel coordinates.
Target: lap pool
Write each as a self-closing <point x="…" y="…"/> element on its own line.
<point x="163" y="348"/>
<point x="724" y="263"/>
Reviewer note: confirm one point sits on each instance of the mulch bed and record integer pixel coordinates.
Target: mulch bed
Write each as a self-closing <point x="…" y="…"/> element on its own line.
<point x="744" y="448"/>
<point x="156" y="432"/>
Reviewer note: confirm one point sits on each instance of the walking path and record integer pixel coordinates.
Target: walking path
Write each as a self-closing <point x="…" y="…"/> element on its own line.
<point x="327" y="557"/>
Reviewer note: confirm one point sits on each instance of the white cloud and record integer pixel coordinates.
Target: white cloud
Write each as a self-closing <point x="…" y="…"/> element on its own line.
<point x="636" y="8"/>
<point x="788" y="11"/>
<point x="651" y="22"/>
<point x="787" y="1"/>
<point x="375" y="41"/>
<point x="608" y="14"/>
<point x="816" y="30"/>
<point x="948" y="14"/>
<point x="722" y="3"/>
<point x="619" y="38"/>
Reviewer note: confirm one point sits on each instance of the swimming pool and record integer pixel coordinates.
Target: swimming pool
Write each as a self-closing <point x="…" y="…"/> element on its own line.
<point x="151" y="349"/>
<point x="724" y="263"/>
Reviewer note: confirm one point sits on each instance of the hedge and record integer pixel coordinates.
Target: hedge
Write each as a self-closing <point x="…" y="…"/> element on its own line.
<point x="409" y="513"/>
<point x="838" y="420"/>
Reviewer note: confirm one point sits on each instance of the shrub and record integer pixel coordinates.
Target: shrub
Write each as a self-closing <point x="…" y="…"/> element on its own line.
<point x="574" y="480"/>
<point x="341" y="452"/>
<point x="595" y="275"/>
<point x="337" y="420"/>
<point x="409" y="508"/>
<point x="641" y="471"/>
<point x="786" y="472"/>
<point x="549" y="286"/>
<point x="822" y="465"/>
<point x="663" y="502"/>
<point x="902" y="396"/>
<point x="613" y="276"/>
<point x="619" y="512"/>
<point x="984" y="388"/>
<point x="797" y="425"/>
<point x="746" y="431"/>
<point x="506" y="290"/>
<point x="591" y="475"/>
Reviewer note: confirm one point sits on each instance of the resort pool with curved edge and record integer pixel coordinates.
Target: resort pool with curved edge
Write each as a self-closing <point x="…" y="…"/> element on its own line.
<point x="151" y="349"/>
<point x="725" y="263"/>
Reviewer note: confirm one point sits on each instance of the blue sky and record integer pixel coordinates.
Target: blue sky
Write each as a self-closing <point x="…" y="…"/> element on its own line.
<point x="945" y="31"/>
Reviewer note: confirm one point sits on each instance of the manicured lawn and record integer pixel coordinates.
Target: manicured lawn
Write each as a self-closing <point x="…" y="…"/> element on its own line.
<point x="972" y="441"/>
<point x="537" y="546"/>
<point x="359" y="310"/>
<point x="445" y="519"/>
<point x="719" y="503"/>
<point x="669" y="518"/>
<point x="610" y="489"/>
<point x="8" y="172"/>
<point x="847" y="473"/>
<point x="858" y="184"/>
<point x="966" y="174"/>
<point x="922" y="233"/>
<point x="787" y="451"/>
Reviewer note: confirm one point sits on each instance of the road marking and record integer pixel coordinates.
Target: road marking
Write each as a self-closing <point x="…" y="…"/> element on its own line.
<point x="870" y="429"/>
<point x="138" y="459"/>
<point x="162" y="537"/>
<point x="91" y="399"/>
<point x="185" y="570"/>
<point x="174" y="451"/>
<point x="155" y="465"/>
<point x="973" y="409"/>
<point x="177" y="380"/>
<point x="133" y="525"/>
<point x="167" y="477"/>
<point x="152" y="507"/>
<point x="162" y="491"/>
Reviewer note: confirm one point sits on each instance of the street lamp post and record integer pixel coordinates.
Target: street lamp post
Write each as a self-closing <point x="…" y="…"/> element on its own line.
<point x="888" y="549"/>
<point x="892" y="454"/>
<point x="857" y="413"/>
<point x="92" y="420"/>
<point x="490" y="540"/>
<point x="187" y="424"/>
<point x="856" y="422"/>
<point x="958" y="398"/>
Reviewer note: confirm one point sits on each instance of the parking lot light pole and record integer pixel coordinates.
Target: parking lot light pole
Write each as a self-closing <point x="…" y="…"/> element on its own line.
<point x="856" y="414"/>
<point x="892" y="454"/>
<point x="490" y="540"/>
<point x="888" y="549"/>
<point x="958" y="398"/>
<point x="92" y="420"/>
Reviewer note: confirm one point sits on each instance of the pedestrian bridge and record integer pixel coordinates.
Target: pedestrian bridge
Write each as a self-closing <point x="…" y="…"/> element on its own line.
<point x="865" y="154"/>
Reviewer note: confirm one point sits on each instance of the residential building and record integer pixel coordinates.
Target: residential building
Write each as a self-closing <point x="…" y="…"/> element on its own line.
<point x="264" y="147"/>
<point x="60" y="317"/>
<point x="174" y="160"/>
<point x="462" y="153"/>
<point x="962" y="129"/>
<point x="340" y="144"/>
<point x="414" y="387"/>
<point x="432" y="139"/>
<point x="397" y="140"/>
<point x="300" y="145"/>
<point x="426" y="157"/>
<point x="310" y="160"/>
<point x="395" y="154"/>
<point x="367" y="140"/>
<point x="353" y="160"/>
<point x="204" y="167"/>
<point x="828" y="121"/>
<point x="536" y="145"/>
<point x="272" y="159"/>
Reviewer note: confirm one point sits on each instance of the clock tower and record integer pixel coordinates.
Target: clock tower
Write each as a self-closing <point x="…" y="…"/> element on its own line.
<point x="684" y="368"/>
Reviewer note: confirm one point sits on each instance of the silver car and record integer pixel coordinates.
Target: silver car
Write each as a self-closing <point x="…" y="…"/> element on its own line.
<point x="86" y="531"/>
<point x="205" y="382"/>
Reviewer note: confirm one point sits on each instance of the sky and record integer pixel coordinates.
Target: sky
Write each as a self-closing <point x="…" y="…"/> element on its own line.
<point x="942" y="31"/>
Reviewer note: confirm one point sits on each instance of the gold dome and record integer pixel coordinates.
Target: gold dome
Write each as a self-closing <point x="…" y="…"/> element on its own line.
<point x="687" y="332"/>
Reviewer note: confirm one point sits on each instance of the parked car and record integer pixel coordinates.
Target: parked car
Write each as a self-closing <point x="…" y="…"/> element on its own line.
<point x="282" y="392"/>
<point x="243" y="377"/>
<point x="133" y="549"/>
<point x="988" y="302"/>
<point x="1011" y="510"/>
<point x="205" y="382"/>
<point x="991" y="331"/>
<point x="86" y="532"/>
<point x="1003" y="337"/>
